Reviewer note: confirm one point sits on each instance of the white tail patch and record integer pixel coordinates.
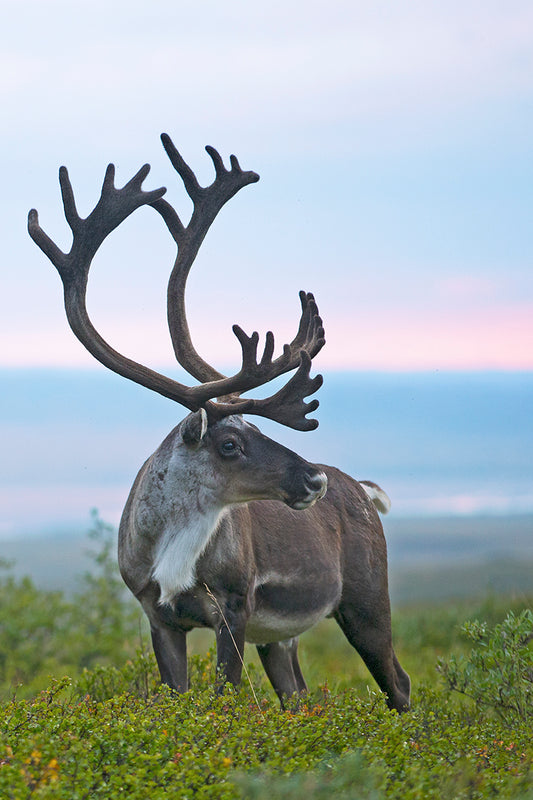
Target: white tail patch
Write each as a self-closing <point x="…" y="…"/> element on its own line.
<point x="380" y="498"/>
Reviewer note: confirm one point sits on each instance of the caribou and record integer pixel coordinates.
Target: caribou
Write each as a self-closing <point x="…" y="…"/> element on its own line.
<point x="225" y="528"/>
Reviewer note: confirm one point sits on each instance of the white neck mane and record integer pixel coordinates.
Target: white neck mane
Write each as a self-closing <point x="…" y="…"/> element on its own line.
<point x="178" y="552"/>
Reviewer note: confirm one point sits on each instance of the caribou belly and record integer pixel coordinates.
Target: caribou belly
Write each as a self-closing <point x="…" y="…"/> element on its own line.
<point x="283" y="609"/>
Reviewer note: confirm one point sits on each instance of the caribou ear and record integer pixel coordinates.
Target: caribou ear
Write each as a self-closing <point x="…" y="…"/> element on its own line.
<point x="194" y="426"/>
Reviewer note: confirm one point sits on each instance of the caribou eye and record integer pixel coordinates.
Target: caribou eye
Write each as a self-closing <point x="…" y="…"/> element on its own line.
<point x="228" y="447"/>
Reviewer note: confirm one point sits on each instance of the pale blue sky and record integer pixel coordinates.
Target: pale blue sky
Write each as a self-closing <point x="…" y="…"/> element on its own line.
<point x="393" y="142"/>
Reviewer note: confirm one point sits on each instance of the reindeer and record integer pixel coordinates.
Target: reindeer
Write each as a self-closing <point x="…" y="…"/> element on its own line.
<point x="222" y="528"/>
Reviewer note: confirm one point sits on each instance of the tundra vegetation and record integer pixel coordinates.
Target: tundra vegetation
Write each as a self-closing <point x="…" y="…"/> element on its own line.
<point x="84" y="714"/>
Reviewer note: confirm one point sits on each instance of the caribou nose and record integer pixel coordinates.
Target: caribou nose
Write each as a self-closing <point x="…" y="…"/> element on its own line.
<point x="317" y="483"/>
<point x="311" y="486"/>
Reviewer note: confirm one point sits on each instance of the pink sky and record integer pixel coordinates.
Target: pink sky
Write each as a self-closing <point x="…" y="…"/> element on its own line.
<point x="499" y="338"/>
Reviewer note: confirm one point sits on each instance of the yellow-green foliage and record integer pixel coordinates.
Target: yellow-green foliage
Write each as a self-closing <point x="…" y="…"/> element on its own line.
<point x="116" y="734"/>
<point x="109" y="730"/>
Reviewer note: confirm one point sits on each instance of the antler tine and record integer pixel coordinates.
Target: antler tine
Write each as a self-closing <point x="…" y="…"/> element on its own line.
<point x="182" y="168"/>
<point x="44" y="242"/>
<point x="67" y="194"/>
<point x="309" y="337"/>
<point x="311" y="331"/>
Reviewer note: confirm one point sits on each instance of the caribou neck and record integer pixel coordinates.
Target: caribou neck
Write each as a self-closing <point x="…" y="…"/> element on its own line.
<point x="176" y="513"/>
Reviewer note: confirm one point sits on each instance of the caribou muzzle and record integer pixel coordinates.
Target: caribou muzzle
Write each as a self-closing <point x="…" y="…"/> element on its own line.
<point x="307" y="488"/>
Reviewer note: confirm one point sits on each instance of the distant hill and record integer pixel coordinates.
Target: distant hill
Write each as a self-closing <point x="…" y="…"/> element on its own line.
<point x="439" y="443"/>
<point x="429" y="559"/>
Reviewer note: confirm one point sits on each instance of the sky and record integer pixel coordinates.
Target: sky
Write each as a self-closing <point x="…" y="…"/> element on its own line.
<point x="393" y="141"/>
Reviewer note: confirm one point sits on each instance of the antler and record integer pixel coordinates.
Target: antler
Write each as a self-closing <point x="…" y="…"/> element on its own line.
<point x="288" y="404"/>
<point x="207" y="202"/>
<point x="114" y="206"/>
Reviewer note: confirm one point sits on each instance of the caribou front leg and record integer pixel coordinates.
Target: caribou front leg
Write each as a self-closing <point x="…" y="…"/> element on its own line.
<point x="168" y="639"/>
<point x="230" y="633"/>
<point x="170" y="648"/>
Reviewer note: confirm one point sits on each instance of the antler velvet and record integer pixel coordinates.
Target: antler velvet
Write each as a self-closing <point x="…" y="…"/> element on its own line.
<point x="114" y="206"/>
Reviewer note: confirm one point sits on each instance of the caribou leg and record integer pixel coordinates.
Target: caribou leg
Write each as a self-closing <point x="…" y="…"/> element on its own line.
<point x="170" y="648"/>
<point x="402" y="677"/>
<point x="230" y="640"/>
<point x="373" y="643"/>
<point x="280" y="661"/>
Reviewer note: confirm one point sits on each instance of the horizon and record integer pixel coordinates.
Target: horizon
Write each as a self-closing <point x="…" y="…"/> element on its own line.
<point x="439" y="443"/>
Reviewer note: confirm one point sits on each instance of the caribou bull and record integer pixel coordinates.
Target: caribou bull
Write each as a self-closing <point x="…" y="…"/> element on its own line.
<point x="223" y="528"/>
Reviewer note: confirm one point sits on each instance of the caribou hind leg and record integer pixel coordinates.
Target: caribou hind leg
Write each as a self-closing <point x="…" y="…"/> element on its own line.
<point x="280" y="661"/>
<point x="402" y="677"/>
<point x="373" y="643"/>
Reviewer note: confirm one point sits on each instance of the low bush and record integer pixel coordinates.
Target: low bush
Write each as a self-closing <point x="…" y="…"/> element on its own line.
<point x="44" y="633"/>
<point x="498" y="673"/>
<point x="110" y="730"/>
<point x="66" y="743"/>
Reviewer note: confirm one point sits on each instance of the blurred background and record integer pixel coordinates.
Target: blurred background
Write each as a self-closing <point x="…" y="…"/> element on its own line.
<point x="394" y="148"/>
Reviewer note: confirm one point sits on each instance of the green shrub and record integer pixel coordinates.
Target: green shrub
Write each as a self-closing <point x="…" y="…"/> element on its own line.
<point x="106" y="623"/>
<point x="44" y="633"/>
<point x="31" y="625"/>
<point x="111" y="730"/>
<point x="63" y="744"/>
<point x="498" y="673"/>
